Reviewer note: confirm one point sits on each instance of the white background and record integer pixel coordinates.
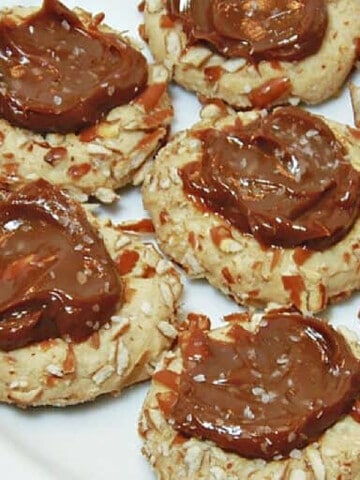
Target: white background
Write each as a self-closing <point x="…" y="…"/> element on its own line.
<point x="99" y="440"/>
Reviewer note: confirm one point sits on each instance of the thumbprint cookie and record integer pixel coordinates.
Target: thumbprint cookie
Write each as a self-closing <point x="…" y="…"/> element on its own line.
<point x="79" y="105"/>
<point x="85" y="309"/>
<point x="265" y="206"/>
<point x="254" y="54"/>
<point x="271" y="396"/>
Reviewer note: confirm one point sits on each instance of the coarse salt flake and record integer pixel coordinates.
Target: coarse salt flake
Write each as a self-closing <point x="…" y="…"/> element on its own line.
<point x="57" y="100"/>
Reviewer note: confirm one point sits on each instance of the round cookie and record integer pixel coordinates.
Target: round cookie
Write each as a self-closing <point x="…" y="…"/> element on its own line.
<point x="336" y="454"/>
<point x="245" y="84"/>
<point x="208" y="246"/>
<point x="102" y="158"/>
<point x="122" y="352"/>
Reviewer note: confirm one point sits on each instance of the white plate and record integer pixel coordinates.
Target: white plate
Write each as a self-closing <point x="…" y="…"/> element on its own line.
<point x="100" y="440"/>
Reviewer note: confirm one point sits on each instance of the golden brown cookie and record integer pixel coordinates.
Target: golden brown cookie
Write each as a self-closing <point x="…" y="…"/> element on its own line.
<point x="118" y="346"/>
<point x="189" y="377"/>
<point x="210" y="69"/>
<point x="207" y="245"/>
<point x="101" y="158"/>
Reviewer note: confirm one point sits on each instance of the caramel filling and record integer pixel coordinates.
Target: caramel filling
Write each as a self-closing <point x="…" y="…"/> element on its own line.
<point x="58" y="75"/>
<point x="57" y="279"/>
<point x="255" y="29"/>
<point x="283" y="178"/>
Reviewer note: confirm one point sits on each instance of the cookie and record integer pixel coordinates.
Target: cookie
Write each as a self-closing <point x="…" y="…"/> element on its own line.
<point x="238" y="58"/>
<point x="68" y="334"/>
<point x="235" y="403"/>
<point x="100" y="156"/>
<point x="263" y="257"/>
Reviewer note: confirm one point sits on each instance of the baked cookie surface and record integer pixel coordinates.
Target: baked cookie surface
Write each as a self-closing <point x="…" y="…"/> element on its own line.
<point x="240" y="82"/>
<point x="122" y="351"/>
<point x="97" y="160"/>
<point x="207" y="245"/>
<point x="174" y="454"/>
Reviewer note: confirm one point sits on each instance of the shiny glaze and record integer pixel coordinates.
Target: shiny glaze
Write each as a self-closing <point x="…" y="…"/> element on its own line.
<point x="58" y="75"/>
<point x="57" y="279"/>
<point x="255" y="29"/>
<point x="264" y="394"/>
<point x="283" y="178"/>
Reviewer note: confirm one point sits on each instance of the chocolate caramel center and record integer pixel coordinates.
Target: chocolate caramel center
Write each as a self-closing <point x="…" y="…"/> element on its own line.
<point x="284" y="179"/>
<point x="264" y="394"/>
<point x="58" y="75"/>
<point x="57" y="279"/>
<point x="256" y="29"/>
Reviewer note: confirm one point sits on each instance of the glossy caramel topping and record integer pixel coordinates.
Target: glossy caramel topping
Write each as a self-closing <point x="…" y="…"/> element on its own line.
<point x="58" y="75"/>
<point x="283" y="178"/>
<point x="56" y="277"/>
<point x="265" y="394"/>
<point x="256" y="29"/>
